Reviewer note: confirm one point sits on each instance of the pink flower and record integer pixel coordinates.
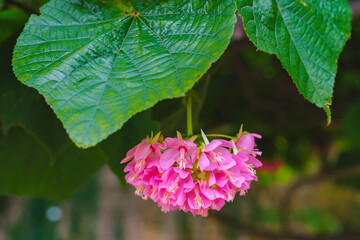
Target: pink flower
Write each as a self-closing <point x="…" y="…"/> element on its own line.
<point x="215" y="155"/>
<point x="176" y="174"/>
<point x="180" y="151"/>
<point x="246" y="171"/>
<point x="151" y="178"/>
<point x="175" y="183"/>
<point x="247" y="141"/>
<point x="144" y="153"/>
<point x="197" y="202"/>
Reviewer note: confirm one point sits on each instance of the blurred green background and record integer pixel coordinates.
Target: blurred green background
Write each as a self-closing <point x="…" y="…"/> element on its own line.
<point x="309" y="187"/>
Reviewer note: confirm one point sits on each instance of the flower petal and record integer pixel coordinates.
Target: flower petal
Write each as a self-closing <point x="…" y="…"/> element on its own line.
<point x="181" y="198"/>
<point x="225" y="143"/>
<point x="168" y="158"/>
<point x="212" y="179"/>
<point x="254" y="162"/>
<point x="129" y="155"/>
<point x="203" y="161"/>
<point x="212" y="145"/>
<point x="182" y="173"/>
<point x="142" y="151"/>
<point x="172" y="142"/>
<point x="217" y="204"/>
<point x="247" y="141"/>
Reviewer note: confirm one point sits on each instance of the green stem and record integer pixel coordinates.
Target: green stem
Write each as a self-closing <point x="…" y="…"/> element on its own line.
<point x="189" y="114"/>
<point x="220" y="135"/>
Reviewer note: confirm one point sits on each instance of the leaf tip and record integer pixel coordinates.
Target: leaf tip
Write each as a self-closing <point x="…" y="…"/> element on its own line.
<point x="327" y="110"/>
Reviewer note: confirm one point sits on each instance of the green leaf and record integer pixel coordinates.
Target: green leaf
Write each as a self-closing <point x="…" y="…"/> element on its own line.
<point x="98" y="64"/>
<point x="306" y="35"/>
<point x="26" y="167"/>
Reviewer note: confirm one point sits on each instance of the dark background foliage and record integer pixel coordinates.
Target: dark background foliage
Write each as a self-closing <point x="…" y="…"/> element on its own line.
<point x="307" y="189"/>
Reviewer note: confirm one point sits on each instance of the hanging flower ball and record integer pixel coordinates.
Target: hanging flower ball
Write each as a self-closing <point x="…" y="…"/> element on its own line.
<point x="192" y="175"/>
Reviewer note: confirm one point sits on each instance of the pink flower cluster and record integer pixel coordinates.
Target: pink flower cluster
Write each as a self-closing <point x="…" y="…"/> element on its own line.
<point x="178" y="174"/>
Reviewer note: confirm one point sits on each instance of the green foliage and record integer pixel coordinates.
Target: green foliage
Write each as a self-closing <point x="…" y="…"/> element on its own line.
<point x="10" y="22"/>
<point x="33" y="224"/>
<point x="352" y="120"/>
<point x="282" y="175"/>
<point x="27" y="168"/>
<point x="37" y="159"/>
<point x="23" y="106"/>
<point x="108" y="61"/>
<point x="349" y="159"/>
<point x="267" y="216"/>
<point x="306" y="35"/>
<point x="319" y="221"/>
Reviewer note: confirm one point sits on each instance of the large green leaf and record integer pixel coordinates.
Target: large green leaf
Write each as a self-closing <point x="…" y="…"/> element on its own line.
<point x="26" y="168"/>
<point x="306" y="35"/>
<point x="97" y="63"/>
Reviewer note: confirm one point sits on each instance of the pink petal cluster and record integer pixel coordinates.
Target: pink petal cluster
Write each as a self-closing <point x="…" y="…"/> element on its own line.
<point x="178" y="174"/>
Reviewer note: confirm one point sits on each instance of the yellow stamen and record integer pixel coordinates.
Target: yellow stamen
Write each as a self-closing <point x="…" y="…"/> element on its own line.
<point x="166" y="198"/>
<point x="218" y="158"/>
<point x="139" y="164"/>
<point x="174" y="186"/>
<point x="133" y="176"/>
<point x="198" y="201"/>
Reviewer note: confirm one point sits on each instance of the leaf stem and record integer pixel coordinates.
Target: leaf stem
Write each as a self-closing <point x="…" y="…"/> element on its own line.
<point x="220" y="135"/>
<point x="189" y="114"/>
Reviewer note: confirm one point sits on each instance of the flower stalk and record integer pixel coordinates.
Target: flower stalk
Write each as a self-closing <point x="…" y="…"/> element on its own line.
<point x="189" y="114"/>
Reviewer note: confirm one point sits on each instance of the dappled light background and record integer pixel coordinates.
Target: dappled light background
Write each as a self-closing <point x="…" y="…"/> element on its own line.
<point x="309" y="184"/>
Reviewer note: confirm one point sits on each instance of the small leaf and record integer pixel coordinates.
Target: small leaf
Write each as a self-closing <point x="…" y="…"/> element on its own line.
<point x="97" y="64"/>
<point x="306" y="35"/>
<point x="328" y="113"/>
